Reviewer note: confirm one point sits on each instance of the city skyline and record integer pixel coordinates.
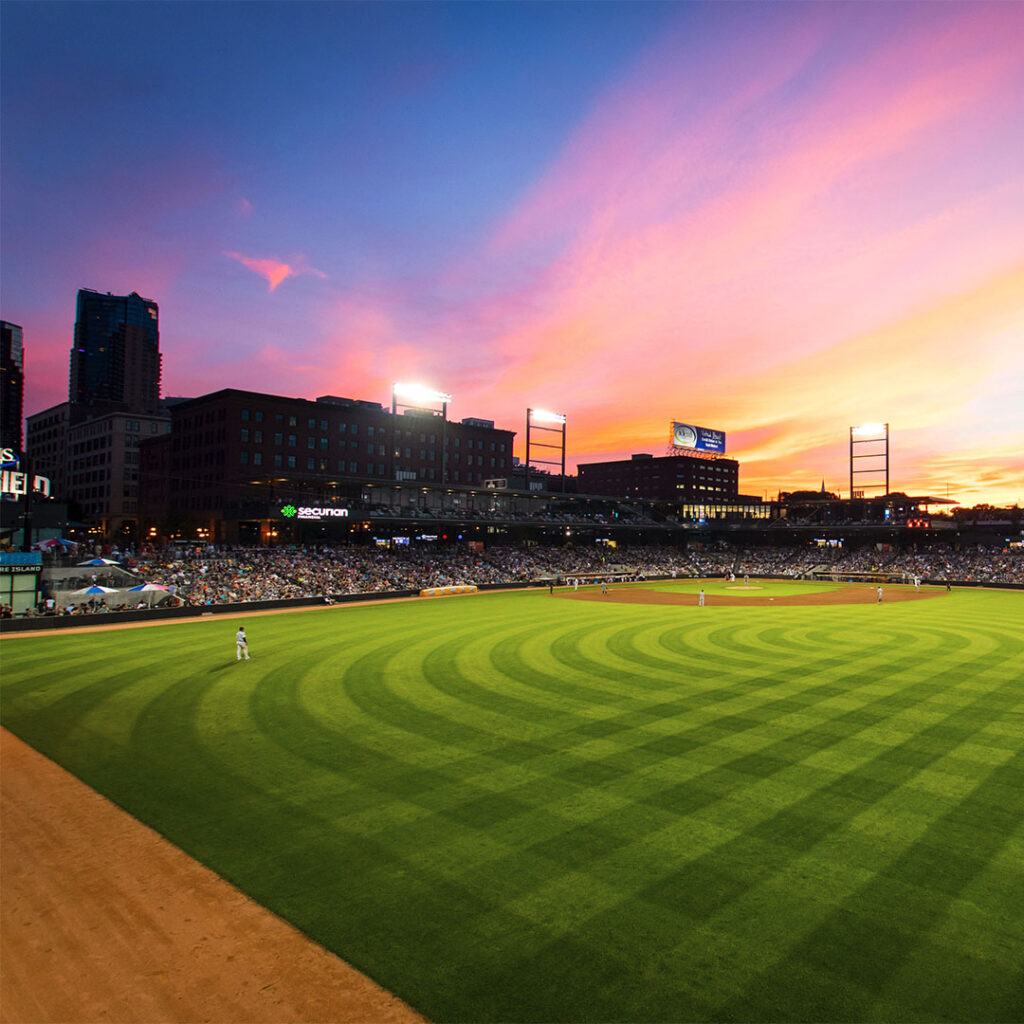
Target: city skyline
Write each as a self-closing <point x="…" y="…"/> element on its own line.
<point x="774" y="220"/>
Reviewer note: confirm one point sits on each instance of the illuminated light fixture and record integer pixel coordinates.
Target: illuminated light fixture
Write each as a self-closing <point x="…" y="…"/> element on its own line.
<point x="869" y="457"/>
<point x="417" y="394"/>
<point x="420" y="393"/>
<point x="534" y="419"/>
<point x="543" y="416"/>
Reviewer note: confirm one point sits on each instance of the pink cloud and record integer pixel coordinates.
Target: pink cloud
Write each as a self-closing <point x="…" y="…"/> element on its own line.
<point x="275" y="271"/>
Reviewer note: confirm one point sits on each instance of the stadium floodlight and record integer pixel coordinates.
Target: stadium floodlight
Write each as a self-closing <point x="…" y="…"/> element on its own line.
<point x="535" y="417"/>
<point x="420" y="393"/>
<point x="543" y="416"/>
<point x="874" y="462"/>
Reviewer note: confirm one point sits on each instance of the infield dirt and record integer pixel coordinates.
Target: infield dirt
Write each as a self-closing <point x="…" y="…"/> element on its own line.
<point x="101" y="919"/>
<point x="844" y="595"/>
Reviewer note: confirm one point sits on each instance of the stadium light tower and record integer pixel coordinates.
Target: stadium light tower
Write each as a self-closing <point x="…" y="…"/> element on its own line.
<point x="874" y="434"/>
<point x="419" y="395"/>
<point x="557" y="426"/>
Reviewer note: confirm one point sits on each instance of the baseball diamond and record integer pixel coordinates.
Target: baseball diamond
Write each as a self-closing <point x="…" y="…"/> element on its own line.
<point x="524" y="807"/>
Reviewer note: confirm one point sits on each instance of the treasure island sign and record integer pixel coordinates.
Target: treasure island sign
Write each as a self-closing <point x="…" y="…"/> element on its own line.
<point x="13" y="481"/>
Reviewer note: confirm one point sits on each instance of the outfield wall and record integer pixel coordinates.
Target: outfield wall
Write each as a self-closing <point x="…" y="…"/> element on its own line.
<point x="38" y="622"/>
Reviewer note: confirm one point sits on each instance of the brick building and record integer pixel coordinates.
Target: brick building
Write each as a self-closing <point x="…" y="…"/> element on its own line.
<point x="233" y="457"/>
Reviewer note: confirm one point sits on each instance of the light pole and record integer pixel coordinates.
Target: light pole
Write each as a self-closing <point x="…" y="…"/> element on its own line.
<point x="418" y="395"/>
<point x="557" y="421"/>
<point x="870" y="434"/>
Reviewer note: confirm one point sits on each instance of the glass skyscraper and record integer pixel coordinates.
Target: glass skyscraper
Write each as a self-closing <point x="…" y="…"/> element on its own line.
<point x="12" y="385"/>
<point x="115" y="359"/>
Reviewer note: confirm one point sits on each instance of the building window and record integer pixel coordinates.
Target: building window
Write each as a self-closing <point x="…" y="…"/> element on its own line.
<point x="291" y="421"/>
<point x="278" y="438"/>
<point x="353" y="467"/>
<point x="323" y="444"/>
<point x="257" y="458"/>
<point x="310" y="442"/>
<point x="309" y="462"/>
<point x="291" y="461"/>
<point x="342" y="427"/>
<point x="278" y="460"/>
<point x="245" y="458"/>
<point x="291" y="440"/>
<point x="245" y="414"/>
<point x="245" y="435"/>
<point x="257" y="437"/>
<point x="323" y="424"/>
<point x="355" y="429"/>
<point x="259" y="417"/>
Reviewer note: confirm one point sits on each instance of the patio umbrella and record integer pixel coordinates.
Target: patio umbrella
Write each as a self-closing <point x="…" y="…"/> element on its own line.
<point x="150" y="589"/>
<point x="95" y="589"/>
<point x="99" y="561"/>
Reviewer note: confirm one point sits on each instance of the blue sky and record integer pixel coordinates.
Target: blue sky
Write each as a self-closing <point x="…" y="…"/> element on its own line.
<point x="773" y="219"/>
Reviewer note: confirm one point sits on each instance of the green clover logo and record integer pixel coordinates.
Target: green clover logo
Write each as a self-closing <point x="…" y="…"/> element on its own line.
<point x="288" y="511"/>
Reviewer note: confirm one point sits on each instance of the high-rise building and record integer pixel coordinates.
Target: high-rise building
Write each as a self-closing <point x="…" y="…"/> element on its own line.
<point x="12" y="385"/>
<point x="115" y="359"/>
<point x="46" y="441"/>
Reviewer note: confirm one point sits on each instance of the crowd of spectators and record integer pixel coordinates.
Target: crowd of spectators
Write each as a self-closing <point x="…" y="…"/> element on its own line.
<point x="972" y="565"/>
<point x="227" y="575"/>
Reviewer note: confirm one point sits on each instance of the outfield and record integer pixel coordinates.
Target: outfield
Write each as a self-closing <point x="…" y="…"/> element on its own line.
<point x="519" y="807"/>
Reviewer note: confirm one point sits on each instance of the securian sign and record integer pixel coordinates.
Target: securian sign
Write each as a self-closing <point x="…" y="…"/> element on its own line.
<point x="313" y="512"/>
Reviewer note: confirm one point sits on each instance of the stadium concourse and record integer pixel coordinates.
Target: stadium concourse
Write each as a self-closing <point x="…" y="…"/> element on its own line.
<point x="230" y="575"/>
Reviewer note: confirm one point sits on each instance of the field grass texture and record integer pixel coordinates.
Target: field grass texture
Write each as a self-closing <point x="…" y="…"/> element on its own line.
<point x="519" y="807"/>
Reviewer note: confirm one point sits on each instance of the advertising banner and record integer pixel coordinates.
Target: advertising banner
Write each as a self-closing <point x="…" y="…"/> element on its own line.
<point x="698" y="439"/>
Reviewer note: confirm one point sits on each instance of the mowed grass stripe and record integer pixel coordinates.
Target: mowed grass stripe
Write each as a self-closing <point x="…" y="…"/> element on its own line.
<point x="449" y="796"/>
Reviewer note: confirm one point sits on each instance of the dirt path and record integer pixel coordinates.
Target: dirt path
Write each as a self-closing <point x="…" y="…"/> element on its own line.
<point x="101" y="919"/>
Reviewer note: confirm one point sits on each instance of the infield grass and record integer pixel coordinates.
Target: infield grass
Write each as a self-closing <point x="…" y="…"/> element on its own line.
<point x="513" y="807"/>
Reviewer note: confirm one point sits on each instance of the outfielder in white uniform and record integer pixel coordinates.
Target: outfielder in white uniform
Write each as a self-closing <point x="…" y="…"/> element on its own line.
<point x="241" y="645"/>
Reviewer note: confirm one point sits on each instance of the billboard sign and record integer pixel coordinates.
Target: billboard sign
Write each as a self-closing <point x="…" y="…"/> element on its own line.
<point x="697" y="439"/>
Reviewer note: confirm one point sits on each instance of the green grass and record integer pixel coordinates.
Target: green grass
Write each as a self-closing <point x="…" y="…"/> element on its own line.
<point x="520" y="808"/>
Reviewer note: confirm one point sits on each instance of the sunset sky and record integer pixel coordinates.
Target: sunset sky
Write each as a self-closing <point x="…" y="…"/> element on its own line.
<point x="776" y="220"/>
